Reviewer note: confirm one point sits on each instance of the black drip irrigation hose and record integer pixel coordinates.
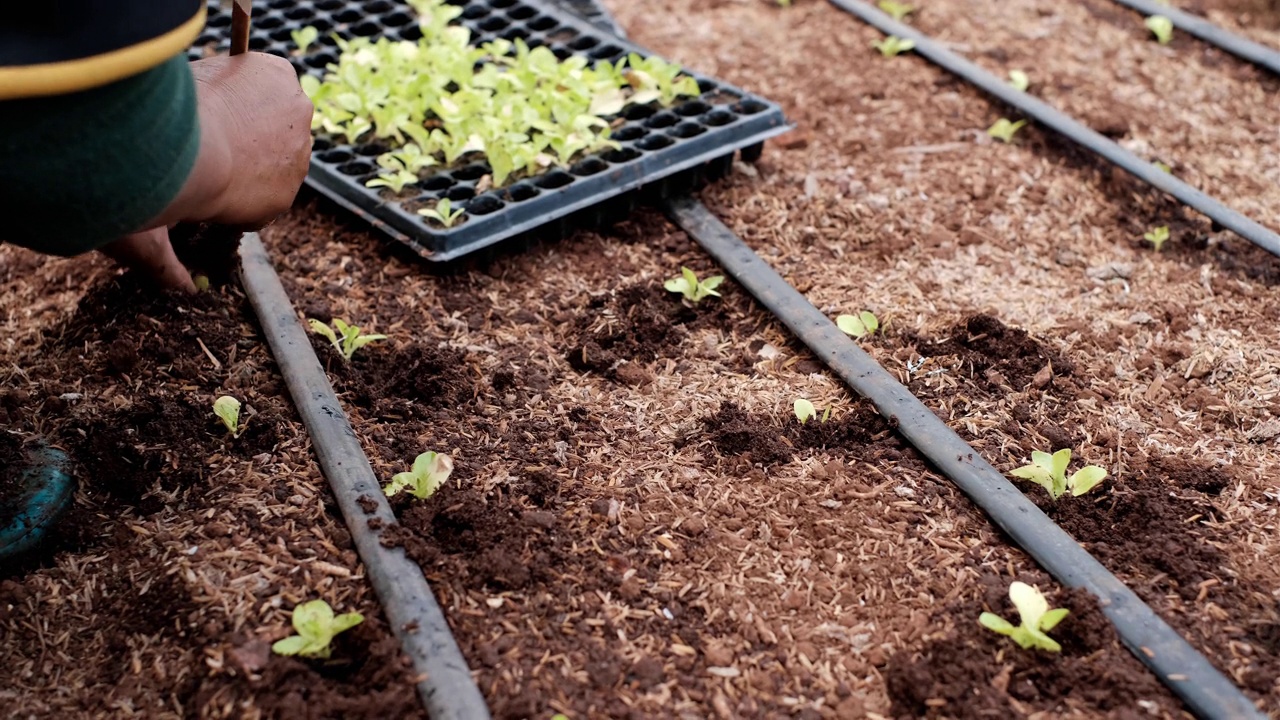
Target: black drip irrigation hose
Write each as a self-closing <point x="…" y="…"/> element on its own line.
<point x="1243" y="48"/>
<point x="446" y="687"/>
<point x="1064" y="124"/>
<point x="1188" y="674"/>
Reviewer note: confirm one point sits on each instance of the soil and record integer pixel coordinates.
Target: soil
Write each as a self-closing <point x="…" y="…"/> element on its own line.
<point x="12" y="460"/>
<point x="636" y="525"/>
<point x="975" y="673"/>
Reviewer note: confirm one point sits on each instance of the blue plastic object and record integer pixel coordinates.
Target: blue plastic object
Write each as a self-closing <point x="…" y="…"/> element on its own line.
<point x="47" y="489"/>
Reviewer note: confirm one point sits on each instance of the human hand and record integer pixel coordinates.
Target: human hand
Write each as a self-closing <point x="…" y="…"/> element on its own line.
<point x="255" y="144"/>
<point x="150" y="253"/>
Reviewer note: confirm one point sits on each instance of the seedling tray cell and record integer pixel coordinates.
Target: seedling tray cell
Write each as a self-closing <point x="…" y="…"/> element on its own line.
<point x="663" y="150"/>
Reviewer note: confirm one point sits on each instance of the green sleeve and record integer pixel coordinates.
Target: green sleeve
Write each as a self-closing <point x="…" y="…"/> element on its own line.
<point x="78" y="171"/>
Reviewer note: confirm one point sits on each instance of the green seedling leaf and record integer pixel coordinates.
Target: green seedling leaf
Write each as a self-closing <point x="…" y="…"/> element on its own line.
<point x="430" y="471"/>
<point x="201" y="281"/>
<point x="396" y="180"/>
<point x="1019" y="80"/>
<point x="347" y="339"/>
<point x="896" y="10"/>
<point x="804" y="410"/>
<point x="1035" y="615"/>
<point x="1162" y="167"/>
<point x="861" y="325"/>
<point x="227" y="409"/>
<point x="443" y="213"/>
<point x="316" y="626"/>
<point x="1085" y="479"/>
<point x="1050" y="472"/>
<point x="693" y="289"/>
<point x="1161" y="27"/>
<point x="893" y="46"/>
<point x="1004" y="130"/>
<point x="826" y="414"/>
<point x="304" y="37"/>
<point x="1157" y="236"/>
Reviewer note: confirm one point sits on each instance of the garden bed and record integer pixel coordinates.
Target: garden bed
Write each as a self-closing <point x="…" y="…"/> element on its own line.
<point x="636" y="525"/>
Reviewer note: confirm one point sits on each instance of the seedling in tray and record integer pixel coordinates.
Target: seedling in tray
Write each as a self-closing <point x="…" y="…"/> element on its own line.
<point x="430" y="471"/>
<point x="1035" y="616"/>
<point x="861" y="325"/>
<point x="316" y="626"/>
<point x="444" y="212"/>
<point x="304" y="37"/>
<point x="522" y="108"/>
<point x="347" y="340"/>
<point x="1050" y="472"/>
<point x="693" y="290"/>
<point x="893" y="45"/>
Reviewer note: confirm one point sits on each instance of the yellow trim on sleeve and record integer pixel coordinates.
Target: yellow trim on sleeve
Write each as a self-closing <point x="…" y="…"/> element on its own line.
<point x="69" y="76"/>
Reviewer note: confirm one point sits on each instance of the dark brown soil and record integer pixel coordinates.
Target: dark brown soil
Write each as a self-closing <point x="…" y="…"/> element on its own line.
<point x="975" y="673"/>
<point x="11" y="464"/>
<point x="622" y="330"/>
<point x="1002" y="357"/>
<point x="1144" y="527"/>
<point x="366" y="676"/>
<point x="734" y="432"/>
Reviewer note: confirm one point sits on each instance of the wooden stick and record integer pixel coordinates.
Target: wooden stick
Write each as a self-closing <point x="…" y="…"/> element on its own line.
<point x="241" y="11"/>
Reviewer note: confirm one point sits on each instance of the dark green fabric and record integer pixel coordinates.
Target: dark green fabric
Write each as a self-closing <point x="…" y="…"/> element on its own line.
<point x="80" y="170"/>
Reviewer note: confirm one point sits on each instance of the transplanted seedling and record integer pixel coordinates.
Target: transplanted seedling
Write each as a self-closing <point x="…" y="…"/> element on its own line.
<point x="304" y="37"/>
<point x="893" y="45"/>
<point x="1035" y="615"/>
<point x="347" y="340"/>
<point x="1157" y="236"/>
<point x="861" y="325"/>
<point x="444" y="212"/>
<point x="1019" y="80"/>
<point x="1161" y="27"/>
<point x="1050" y="472"/>
<point x="896" y="10"/>
<point x="805" y="410"/>
<point x="316" y="626"/>
<point x="693" y="289"/>
<point x="430" y="471"/>
<point x="1004" y="129"/>
<point x="227" y="409"/>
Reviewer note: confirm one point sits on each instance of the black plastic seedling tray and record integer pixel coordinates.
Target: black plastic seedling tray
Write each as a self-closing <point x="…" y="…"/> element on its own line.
<point x="664" y="150"/>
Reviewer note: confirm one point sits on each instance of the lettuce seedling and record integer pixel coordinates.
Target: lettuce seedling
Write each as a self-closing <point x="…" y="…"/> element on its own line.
<point x="304" y="37"/>
<point x="227" y="409"/>
<point x="443" y="213"/>
<point x="1161" y="27"/>
<point x="347" y="340"/>
<point x="1157" y="236"/>
<point x="691" y="288"/>
<point x="1050" y="472"/>
<point x="316" y="626"/>
<point x="1019" y="80"/>
<point x="396" y="181"/>
<point x="1004" y="130"/>
<point x="896" y="10"/>
<point x="861" y="325"/>
<point x="805" y="410"/>
<point x="1035" y="616"/>
<point x="893" y="45"/>
<point x="430" y="471"/>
